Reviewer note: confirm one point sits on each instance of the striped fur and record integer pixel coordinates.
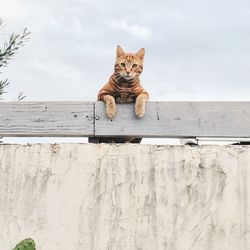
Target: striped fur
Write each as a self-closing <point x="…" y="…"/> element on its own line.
<point x="124" y="84"/>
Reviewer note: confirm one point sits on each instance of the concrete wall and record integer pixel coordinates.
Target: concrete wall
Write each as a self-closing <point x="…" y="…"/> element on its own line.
<point x="82" y="196"/>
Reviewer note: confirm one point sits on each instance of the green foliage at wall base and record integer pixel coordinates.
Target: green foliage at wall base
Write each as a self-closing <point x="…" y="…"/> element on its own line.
<point x="27" y="244"/>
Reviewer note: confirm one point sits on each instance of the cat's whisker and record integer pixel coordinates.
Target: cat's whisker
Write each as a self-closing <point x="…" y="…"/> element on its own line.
<point x="118" y="77"/>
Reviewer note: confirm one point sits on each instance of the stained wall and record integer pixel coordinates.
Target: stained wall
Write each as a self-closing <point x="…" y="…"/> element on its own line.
<point x="83" y="196"/>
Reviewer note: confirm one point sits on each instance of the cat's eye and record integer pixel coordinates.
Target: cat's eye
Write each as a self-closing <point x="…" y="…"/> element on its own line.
<point x="123" y="65"/>
<point x="134" y="65"/>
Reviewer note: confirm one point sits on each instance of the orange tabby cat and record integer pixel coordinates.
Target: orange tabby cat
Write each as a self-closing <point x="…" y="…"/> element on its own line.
<point x="124" y="84"/>
<point x="124" y="87"/>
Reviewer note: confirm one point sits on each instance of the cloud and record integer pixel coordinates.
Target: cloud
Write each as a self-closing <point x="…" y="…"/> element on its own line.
<point x="133" y="29"/>
<point x="194" y="49"/>
<point x="11" y="10"/>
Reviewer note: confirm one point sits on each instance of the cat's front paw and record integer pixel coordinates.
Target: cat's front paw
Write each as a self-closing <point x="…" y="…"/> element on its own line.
<point x="111" y="110"/>
<point x="140" y="109"/>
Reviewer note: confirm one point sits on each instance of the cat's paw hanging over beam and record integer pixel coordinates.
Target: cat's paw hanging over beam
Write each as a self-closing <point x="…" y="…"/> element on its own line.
<point x="140" y="109"/>
<point x="110" y="106"/>
<point x="140" y="104"/>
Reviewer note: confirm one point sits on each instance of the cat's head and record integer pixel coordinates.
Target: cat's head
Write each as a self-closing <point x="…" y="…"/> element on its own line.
<point x="128" y="66"/>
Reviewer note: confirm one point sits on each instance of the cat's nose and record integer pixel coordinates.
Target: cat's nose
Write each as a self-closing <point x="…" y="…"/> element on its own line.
<point x="127" y="71"/>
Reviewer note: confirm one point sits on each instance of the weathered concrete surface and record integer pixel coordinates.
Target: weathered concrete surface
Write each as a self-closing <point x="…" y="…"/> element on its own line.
<point x="82" y="196"/>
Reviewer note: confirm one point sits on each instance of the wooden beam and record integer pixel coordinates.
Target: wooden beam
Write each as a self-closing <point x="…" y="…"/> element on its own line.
<point x="162" y="119"/>
<point x="177" y="120"/>
<point x="46" y="119"/>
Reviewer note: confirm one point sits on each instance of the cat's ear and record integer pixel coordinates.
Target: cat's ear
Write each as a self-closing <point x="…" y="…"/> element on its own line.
<point x="119" y="51"/>
<point x="140" y="53"/>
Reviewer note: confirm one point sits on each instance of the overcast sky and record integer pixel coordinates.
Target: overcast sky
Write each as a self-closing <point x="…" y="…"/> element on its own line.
<point x="195" y="49"/>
